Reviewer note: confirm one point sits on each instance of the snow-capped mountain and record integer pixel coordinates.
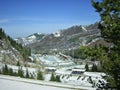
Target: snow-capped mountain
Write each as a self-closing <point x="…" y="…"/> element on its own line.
<point x="30" y="39"/>
<point x="70" y="38"/>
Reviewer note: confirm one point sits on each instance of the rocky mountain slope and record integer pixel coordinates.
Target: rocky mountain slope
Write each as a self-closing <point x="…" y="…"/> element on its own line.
<point x="10" y="51"/>
<point x="69" y="38"/>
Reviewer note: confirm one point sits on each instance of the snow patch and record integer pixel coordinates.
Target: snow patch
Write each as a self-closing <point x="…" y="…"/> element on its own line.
<point x="57" y="34"/>
<point x="83" y="28"/>
<point x="32" y="37"/>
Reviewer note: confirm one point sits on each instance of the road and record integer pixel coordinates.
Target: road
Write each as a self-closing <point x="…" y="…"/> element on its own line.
<point x="17" y="83"/>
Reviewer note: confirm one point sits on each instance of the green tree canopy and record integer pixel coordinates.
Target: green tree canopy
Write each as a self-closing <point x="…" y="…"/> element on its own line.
<point x="109" y="11"/>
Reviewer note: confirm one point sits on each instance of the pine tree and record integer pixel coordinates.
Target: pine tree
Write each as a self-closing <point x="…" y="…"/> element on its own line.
<point x="86" y="67"/>
<point x="40" y="75"/>
<point x="109" y="11"/>
<point x="0" y="71"/>
<point x="58" y="78"/>
<point x="18" y="63"/>
<point x="10" y="71"/>
<point x="20" y="72"/>
<point x="52" y="77"/>
<point x="2" y="33"/>
<point x="94" y="68"/>
<point x="15" y="74"/>
<point x="27" y="74"/>
<point x="5" y="70"/>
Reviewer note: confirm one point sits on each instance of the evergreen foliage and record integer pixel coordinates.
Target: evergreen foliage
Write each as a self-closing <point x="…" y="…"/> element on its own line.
<point x="15" y="74"/>
<point x="40" y="75"/>
<point x="86" y="67"/>
<point x="52" y="77"/>
<point x="5" y="70"/>
<point x="18" y="63"/>
<point x="93" y="53"/>
<point x="109" y="11"/>
<point x="80" y="53"/>
<point x="94" y="68"/>
<point x="25" y="51"/>
<point x="55" y="78"/>
<point x="2" y="34"/>
<point x="20" y="72"/>
<point x="27" y="74"/>
<point x="10" y="72"/>
<point x="58" y="78"/>
<point x="0" y="71"/>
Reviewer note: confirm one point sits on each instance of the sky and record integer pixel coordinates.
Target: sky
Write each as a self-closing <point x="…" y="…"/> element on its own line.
<point x="20" y="18"/>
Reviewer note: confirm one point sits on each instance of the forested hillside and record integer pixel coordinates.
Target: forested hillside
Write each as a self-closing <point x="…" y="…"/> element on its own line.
<point x="11" y="51"/>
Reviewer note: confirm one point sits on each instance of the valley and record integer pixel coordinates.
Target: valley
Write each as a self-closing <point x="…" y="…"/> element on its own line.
<point x="53" y="56"/>
<point x="60" y="44"/>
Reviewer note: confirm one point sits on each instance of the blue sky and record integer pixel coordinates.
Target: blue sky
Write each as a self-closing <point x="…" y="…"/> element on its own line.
<point x="20" y="18"/>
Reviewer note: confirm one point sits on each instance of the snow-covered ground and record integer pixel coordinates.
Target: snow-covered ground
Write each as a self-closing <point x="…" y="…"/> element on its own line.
<point x="67" y="77"/>
<point x="64" y="68"/>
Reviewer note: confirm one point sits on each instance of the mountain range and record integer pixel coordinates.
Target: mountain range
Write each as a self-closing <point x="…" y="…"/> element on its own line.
<point x="65" y="39"/>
